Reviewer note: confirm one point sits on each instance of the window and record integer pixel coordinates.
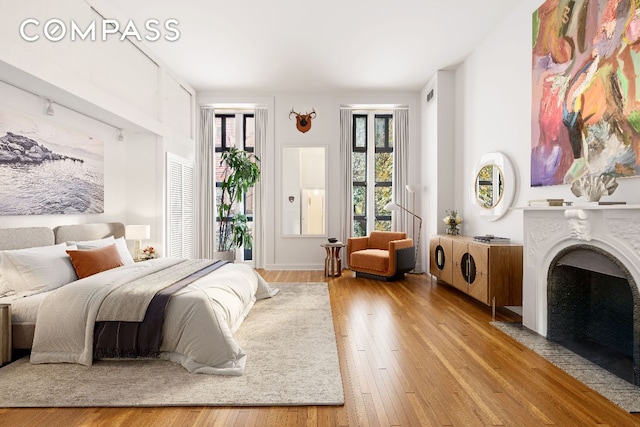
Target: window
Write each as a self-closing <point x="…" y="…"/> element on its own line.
<point x="372" y="167"/>
<point x="235" y="130"/>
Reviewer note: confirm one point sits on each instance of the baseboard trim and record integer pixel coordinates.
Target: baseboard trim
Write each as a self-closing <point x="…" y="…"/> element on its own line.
<point x="313" y="267"/>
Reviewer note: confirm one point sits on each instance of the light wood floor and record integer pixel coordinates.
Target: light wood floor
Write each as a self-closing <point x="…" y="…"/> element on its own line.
<point x="412" y="353"/>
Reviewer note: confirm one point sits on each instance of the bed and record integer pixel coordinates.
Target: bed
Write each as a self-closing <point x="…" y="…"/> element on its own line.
<point x="65" y="315"/>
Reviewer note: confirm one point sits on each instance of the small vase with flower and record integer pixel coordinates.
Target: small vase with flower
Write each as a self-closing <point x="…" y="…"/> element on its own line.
<point x="453" y="221"/>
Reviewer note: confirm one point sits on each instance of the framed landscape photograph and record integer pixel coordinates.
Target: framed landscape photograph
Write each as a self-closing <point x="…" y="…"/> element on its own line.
<point x="46" y="169"/>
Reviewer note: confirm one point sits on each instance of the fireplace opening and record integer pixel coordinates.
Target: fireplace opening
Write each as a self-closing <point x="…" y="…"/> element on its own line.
<point x="591" y="305"/>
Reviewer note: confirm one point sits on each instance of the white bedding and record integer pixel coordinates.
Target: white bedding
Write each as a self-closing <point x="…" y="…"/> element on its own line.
<point x="199" y="320"/>
<point x="24" y="309"/>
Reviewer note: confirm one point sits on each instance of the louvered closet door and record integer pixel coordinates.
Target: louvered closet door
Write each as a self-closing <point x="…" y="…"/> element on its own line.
<point x="180" y="206"/>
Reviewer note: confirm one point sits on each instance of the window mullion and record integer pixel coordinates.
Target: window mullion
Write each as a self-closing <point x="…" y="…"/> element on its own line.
<point x="371" y="174"/>
<point x="239" y="118"/>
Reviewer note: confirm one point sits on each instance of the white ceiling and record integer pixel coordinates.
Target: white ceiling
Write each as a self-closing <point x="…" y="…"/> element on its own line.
<point x="330" y="45"/>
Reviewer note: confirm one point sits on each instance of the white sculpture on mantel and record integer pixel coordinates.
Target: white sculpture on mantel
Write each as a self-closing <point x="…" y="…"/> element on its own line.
<point x="594" y="187"/>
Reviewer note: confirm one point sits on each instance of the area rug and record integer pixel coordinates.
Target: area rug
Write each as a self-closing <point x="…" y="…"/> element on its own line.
<point x="292" y="360"/>
<point x="617" y="390"/>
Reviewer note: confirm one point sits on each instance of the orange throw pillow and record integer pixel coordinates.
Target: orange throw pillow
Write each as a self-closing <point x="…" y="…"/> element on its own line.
<point x="91" y="261"/>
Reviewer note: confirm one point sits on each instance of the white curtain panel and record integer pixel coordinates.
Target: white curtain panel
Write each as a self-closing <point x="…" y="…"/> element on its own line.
<point x="400" y="219"/>
<point x="206" y="186"/>
<point x="259" y="217"/>
<point x="346" y="190"/>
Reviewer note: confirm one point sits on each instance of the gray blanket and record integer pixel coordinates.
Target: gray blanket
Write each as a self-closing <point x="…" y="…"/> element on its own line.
<point x="129" y="302"/>
<point x="131" y="339"/>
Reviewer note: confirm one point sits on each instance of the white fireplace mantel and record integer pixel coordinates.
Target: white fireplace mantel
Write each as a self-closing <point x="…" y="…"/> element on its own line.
<point x="549" y="230"/>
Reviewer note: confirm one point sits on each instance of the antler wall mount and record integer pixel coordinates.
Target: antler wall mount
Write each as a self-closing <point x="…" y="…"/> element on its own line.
<point x="303" y="121"/>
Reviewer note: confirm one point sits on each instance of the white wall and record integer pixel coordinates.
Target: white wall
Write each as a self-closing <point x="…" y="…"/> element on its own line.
<point x="304" y="252"/>
<point x="484" y="105"/>
<point x="438" y="157"/>
<point x="20" y="102"/>
<point x="493" y="107"/>
<point x="493" y="113"/>
<point x="98" y="87"/>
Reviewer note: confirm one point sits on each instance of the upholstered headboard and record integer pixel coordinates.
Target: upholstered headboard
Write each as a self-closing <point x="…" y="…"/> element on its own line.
<point x="25" y="237"/>
<point x="29" y="237"/>
<point x="76" y="232"/>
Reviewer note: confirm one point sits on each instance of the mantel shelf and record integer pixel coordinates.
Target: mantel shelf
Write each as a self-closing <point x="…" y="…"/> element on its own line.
<point x="576" y="206"/>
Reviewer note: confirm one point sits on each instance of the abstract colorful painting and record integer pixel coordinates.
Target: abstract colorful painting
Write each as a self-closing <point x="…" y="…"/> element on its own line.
<point x="586" y="90"/>
<point x="48" y="169"/>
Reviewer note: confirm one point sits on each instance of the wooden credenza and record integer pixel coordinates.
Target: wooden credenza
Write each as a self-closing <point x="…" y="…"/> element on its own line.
<point x="489" y="272"/>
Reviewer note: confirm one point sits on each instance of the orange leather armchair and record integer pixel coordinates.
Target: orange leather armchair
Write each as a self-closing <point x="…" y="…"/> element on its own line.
<point x="384" y="255"/>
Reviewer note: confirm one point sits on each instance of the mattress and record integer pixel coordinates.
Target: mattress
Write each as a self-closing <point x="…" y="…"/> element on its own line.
<point x="24" y="310"/>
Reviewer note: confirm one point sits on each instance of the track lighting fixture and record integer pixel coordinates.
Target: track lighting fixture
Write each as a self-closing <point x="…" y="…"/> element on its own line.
<point x="49" y="109"/>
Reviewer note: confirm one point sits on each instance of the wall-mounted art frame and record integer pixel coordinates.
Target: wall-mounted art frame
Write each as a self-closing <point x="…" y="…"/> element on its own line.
<point x="585" y="101"/>
<point x="47" y="169"/>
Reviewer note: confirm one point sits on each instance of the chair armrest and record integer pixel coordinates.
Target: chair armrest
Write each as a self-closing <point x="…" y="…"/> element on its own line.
<point x="399" y="244"/>
<point x="356" y="244"/>
<point x="401" y="255"/>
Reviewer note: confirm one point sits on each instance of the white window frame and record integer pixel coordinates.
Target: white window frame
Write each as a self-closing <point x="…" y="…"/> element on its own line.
<point x="371" y="164"/>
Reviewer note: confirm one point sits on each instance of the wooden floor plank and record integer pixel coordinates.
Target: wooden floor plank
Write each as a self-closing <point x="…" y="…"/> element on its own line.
<point x="412" y="352"/>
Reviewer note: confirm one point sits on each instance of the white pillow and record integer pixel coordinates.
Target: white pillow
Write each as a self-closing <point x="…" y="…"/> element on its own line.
<point x="36" y="269"/>
<point x="120" y="243"/>
<point x="91" y="244"/>
<point x="123" y="250"/>
<point x="5" y="288"/>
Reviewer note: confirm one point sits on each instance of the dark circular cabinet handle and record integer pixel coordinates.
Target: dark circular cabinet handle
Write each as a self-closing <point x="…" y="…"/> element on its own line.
<point x="440" y="257"/>
<point x="468" y="268"/>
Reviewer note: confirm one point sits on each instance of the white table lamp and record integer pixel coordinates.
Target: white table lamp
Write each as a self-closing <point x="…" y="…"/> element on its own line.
<point x="137" y="233"/>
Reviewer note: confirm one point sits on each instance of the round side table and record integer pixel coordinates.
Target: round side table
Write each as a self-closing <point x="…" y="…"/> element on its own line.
<point x="333" y="263"/>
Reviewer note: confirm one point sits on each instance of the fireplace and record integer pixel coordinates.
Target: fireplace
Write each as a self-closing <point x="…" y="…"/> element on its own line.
<point x="580" y="284"/>
<point x="590" y="309"/>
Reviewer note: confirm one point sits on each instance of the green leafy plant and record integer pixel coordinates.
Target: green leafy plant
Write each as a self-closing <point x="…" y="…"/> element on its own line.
<point x="241" y="173"/>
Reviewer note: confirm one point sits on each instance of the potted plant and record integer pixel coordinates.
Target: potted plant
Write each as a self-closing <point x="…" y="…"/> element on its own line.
<point x="241" y="173"/>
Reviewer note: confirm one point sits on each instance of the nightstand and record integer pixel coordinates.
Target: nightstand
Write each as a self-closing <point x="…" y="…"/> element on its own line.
<point x="5" y="334"/>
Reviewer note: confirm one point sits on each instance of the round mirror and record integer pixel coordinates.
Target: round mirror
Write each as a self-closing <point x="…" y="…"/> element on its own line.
<point x="489" y="186"/>
<point x="493" y="185"/>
